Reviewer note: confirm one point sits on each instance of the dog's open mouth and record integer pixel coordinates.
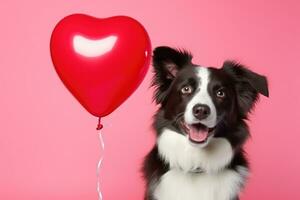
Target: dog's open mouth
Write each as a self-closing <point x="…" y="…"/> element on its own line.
<point x="198" y="133"/>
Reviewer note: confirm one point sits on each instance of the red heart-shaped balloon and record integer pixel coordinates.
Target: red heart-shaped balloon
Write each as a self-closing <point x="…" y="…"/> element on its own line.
<point x="101" y="61"/>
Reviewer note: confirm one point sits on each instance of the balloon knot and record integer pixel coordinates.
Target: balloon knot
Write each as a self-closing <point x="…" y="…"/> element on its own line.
<point x="99" y="126"/>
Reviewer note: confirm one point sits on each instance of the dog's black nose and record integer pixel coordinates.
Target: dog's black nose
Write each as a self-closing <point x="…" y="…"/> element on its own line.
<point x="201" y="111"/>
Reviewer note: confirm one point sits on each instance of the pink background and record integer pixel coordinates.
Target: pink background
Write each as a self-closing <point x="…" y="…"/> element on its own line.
<point x="48" y="143"/>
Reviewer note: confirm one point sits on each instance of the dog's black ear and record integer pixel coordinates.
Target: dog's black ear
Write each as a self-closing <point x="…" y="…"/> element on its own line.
<point x="167" y="62"/>
<point x="248" y="84"/>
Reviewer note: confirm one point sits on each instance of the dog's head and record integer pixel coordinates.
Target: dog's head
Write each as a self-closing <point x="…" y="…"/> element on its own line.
<point x="196" y="99"/>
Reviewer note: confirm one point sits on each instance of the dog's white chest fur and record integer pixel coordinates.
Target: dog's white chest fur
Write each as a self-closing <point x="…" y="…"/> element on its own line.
<point x="178" y="185"/>
<point x="217" y="183"/>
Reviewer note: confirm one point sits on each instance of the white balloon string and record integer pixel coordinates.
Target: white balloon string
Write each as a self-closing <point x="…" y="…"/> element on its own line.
<point x="99" y="164"/>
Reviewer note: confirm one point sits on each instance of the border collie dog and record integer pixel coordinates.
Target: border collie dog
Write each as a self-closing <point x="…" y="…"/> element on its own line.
<point x="201" y="128"/>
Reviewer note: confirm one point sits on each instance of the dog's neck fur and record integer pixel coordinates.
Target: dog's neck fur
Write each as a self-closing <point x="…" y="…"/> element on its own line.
<point x="176" y="150"/>
<point x="214" y="182"/>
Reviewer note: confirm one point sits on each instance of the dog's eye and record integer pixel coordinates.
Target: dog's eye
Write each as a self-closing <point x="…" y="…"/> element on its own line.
<point x="186" y="89"/>
<point x="221" y="93"/>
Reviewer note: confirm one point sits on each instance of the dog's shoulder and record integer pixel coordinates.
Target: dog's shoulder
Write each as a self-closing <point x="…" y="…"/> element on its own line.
<point x="153" y="165"/>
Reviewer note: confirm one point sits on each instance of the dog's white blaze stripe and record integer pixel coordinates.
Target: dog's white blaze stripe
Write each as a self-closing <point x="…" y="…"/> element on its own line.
<point x="176" y="150"/>
<point x="93" y="48"/>
<point x="202" y="97"/>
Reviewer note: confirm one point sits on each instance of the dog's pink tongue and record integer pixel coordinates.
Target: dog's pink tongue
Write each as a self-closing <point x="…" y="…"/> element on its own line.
<point x="198" y="135"/>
